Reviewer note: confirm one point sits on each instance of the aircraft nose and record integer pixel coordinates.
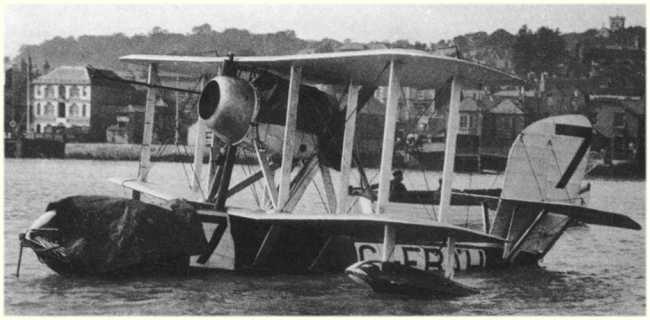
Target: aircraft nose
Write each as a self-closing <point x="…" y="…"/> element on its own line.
<point x="228" y="105"/>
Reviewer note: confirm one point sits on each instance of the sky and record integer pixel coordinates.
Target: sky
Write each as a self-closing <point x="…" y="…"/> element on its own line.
<point x="35" y="23"/>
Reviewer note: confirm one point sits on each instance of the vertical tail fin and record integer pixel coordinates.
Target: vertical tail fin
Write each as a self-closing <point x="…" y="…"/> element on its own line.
<point x="546" y="163"/>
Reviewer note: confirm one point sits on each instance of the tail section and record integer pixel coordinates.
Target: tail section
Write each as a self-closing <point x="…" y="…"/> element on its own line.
<point x="543" y="190"/>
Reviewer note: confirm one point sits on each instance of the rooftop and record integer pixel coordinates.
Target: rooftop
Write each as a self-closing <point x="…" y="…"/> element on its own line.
<point x="468" y="105"/>
<point x="506" y="107"/>
<point x="65" y="75"/>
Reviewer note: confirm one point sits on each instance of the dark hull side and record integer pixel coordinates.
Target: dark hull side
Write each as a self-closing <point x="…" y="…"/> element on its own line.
<point x="296" y="250"/>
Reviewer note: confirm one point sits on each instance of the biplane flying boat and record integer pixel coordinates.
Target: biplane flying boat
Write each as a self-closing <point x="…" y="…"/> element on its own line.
<point x="274" y="107"/>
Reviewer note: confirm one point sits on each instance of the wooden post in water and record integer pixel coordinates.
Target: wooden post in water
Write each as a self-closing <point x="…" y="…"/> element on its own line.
<point x="28" y="100"/>
<point x="385" y="171"/>
<point x="450" y="148"/>
<point x="348" y="145"/>
<point x="147" y="134"/>
<point x="289" y="140"/>
<point x="177" y="117"/>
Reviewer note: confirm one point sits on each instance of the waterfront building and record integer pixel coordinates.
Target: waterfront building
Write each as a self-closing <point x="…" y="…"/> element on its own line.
<point x="78" y="99"/>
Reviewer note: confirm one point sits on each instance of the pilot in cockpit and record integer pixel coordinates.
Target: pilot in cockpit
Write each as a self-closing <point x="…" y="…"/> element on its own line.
<point x="396" y="185"/>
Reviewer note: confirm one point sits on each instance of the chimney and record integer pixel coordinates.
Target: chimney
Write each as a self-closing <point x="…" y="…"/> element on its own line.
<point x="542" y="82"/>
<point x="46" y="67"/>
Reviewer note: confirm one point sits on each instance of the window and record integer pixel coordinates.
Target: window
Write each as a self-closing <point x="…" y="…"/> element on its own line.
<point x="84" y="112"/>
<point x="619" y="119"/>
<point x="49" y="109"/>
<point x="74" y="91"/>
<point x="38" y="128"/>
<point x="464" y="121"/>
<point x="61" y="113"/>
<point x="74" y="110"/>
<point x="38" y="109"/>
<point x="49" y="92"/>
<point x="62" y="91"/>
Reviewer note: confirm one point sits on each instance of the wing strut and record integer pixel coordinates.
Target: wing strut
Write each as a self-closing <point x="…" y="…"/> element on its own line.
<point x="389" y="137"/>
<point x="221" y="180"/>
<point x="328" y="187"/>
<point x="199" y="145"/>
<point x="450" y="148"/>
<point x="301" y="182"/>
<point x="271" y="193"/>
<point x="289" y="136"/>
<point x="348" y="145"/>
<point x="147" y="135"/>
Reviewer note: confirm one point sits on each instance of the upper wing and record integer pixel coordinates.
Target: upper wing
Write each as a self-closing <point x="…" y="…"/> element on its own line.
<point x="368" y="68"/>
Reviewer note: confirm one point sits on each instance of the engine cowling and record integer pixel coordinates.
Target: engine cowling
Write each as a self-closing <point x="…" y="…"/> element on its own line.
<point x="228" y="105"/>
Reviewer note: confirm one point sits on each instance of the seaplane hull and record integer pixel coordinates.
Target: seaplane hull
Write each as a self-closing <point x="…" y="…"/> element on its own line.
<point x="258" y="245"/>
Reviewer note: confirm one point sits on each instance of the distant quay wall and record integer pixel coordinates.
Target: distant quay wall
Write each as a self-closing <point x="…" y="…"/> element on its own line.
<point x="113" y="151"/>
<point x="184" y="153"/>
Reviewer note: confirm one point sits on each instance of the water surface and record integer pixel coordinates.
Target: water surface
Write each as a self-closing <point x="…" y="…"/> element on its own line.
<point x="591" y="270"/>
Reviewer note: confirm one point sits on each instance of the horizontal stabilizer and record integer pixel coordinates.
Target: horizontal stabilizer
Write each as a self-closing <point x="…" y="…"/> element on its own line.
<point x="584" y="214"/>
<point x="144" y="187"/>
<point x="411" y="231"/>
<point x="156" y="191"/>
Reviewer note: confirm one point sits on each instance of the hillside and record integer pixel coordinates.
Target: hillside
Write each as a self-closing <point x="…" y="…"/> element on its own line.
<point x="104" y="50"/>
<point x="495" y="49"/>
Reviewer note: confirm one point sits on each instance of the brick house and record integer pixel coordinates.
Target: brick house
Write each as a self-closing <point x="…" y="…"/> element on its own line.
<point x="501" y="125"/>
<point x="128" y="125"/>
<point x="619" y="123"/>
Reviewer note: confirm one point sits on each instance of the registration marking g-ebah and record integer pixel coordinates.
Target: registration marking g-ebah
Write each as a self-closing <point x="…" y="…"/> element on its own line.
<point x="423" y="257"/>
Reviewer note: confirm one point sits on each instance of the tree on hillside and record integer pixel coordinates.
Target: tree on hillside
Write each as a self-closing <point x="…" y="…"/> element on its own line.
<point x="541" y="51"/>
<point x="158" y="30"/>
<point x="500" y="38"/>
<point x="523" y="50"/>
<point x="420" y="46"/>
<point x="402" y="44"/>
<point x="550" y="49"/>
<point x="202" y="29"/>
<point x="326" y="45"/>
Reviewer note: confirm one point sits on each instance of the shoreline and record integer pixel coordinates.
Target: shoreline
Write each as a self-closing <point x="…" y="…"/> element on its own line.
<point x="184" y="153"/>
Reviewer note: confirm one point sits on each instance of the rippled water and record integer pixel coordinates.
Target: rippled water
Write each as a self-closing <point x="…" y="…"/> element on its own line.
<point x="591" y="270"/>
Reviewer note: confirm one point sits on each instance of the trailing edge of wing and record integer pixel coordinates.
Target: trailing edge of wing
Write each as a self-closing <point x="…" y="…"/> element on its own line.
<point x="408" y="231"/>
<point x="584" y="214"/>
<point x="419" y="69"/>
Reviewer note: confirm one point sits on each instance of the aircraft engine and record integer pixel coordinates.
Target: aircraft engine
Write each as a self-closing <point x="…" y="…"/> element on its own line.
<point x="228" y="105"/>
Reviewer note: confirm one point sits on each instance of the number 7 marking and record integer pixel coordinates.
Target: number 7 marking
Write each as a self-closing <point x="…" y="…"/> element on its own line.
<point x="573" y="131"/>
